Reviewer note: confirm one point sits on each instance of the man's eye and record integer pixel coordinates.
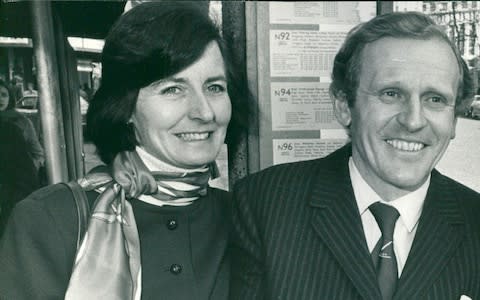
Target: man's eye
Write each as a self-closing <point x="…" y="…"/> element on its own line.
<point x="173" y="90"/>
<point x="216" y="88"/>
<point x="437" y="102"/>
<point x="392" y="94"/>
<point x="436" y="99"/>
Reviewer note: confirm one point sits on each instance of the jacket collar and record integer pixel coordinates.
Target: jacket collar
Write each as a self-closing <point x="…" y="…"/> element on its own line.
<point x="337" y="221"/>
<point x="440" y="232"/>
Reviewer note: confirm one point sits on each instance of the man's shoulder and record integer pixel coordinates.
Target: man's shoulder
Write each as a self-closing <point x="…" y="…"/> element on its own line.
<point x="288" y="168"/>
<point x="462" y="191"/>
<point x="331" y="162"/>
<point x="469" y="203"/>
<point x="299" y="174"/>
<point x="468" y="200"/>
<point x="285" y="172"/>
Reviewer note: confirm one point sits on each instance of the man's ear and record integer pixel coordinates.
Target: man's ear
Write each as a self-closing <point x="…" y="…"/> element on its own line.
<point x="454" y="128"/>
<point x="341" y="109"/>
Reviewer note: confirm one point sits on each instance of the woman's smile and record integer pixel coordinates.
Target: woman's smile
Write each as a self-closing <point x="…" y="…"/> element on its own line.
<point x="183" y="119"/>
<point x="193" y="136"/>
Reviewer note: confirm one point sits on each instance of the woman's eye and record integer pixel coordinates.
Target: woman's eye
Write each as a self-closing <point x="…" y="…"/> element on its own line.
<point x="173" y="90"/>
<point x="216" y="88"/>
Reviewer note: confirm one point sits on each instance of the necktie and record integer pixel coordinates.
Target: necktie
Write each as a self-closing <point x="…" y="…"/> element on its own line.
<point x="383" y="255"/>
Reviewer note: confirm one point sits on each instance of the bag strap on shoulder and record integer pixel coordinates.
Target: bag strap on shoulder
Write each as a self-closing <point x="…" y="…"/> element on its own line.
<point x="83" y="209"/>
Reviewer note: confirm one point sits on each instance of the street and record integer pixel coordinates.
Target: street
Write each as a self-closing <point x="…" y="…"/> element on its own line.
<point x="462" y="159"/>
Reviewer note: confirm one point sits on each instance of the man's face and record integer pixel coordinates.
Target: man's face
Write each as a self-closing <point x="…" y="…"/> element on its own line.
<point x="403" y="116"/>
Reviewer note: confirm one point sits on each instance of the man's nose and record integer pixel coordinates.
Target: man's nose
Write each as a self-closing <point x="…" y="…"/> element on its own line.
<point x="200" y="107"/>
<point x="412" y="116"/>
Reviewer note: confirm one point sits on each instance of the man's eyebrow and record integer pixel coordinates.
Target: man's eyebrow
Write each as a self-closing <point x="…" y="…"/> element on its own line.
<point x="444" y="93"/>
<point x="399" y="84"/>
<point x="386" y="82"/>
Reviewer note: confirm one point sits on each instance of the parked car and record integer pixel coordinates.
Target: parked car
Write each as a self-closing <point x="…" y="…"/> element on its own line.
<point x="28" y="102"/>
<point x="474" y="110"/>
<point x="83" y="110"/>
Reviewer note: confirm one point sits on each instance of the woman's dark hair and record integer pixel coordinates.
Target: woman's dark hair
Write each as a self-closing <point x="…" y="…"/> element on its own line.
<point x="11" y="97"/>
<point x="152" y="41"/>
<point x="348" y="61"/>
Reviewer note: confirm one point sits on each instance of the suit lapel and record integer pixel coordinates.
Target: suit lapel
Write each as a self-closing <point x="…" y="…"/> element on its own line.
<point x="438" y="235"/>
<point x="338" y="224"/>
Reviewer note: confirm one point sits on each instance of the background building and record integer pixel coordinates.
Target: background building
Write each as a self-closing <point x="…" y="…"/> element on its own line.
<point x="461" y="20"/>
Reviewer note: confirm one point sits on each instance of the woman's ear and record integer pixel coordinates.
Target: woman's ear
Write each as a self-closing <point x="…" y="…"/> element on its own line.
<point x="341" y="109"/>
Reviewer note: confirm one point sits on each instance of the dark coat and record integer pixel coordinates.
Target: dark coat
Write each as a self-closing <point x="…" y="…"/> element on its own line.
<point x="38" y="248"/>
<point x="298" y="235"/>
<point x="18" y="174"/>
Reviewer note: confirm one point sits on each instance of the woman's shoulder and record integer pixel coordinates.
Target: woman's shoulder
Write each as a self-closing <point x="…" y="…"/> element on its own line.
<point x="39" y="239"/>
<point x="219" y="194"/>
<point x="16" y="117"/>
<point x="219" y="197"/>
<point x="12" y="114"/>
<point x="50" y="201"/>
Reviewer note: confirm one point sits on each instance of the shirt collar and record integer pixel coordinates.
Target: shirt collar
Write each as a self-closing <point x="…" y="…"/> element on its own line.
<point x="409" y="206"/>
<point x="155" y="164"/>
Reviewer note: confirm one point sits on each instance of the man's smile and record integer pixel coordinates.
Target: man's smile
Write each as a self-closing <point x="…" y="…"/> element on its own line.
<point x="405" y="145"/>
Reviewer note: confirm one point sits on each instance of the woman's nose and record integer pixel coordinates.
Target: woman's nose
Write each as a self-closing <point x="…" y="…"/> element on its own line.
<point x="412" y="116"/>
<point x="200" y="108"/>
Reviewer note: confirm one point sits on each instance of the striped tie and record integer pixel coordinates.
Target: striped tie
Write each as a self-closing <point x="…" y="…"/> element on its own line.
<point x="383" y="254"/>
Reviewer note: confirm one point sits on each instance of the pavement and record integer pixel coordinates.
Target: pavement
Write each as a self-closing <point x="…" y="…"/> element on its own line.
<point x="461" y="161"/>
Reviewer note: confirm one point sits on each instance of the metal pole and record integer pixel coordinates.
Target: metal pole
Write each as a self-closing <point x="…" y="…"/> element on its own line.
<point x="49" y="92"/>
<point x="233" y="22"/>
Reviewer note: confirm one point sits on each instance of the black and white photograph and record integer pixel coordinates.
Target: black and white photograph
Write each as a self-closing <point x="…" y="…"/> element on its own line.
<point x="239" y="150"/>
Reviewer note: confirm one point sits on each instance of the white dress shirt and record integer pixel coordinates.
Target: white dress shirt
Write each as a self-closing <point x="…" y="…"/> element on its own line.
<point x="409" y="206"/>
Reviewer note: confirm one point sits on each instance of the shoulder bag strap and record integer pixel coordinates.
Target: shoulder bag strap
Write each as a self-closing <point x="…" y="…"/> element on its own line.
<point x="83" y="209"/>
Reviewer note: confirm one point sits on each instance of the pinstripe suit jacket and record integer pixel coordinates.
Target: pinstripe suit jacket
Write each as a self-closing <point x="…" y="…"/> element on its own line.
<point x="298" y="235"/>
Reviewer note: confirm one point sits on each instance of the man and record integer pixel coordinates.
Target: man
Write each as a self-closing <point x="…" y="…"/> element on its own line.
<point x="316" y="230"/>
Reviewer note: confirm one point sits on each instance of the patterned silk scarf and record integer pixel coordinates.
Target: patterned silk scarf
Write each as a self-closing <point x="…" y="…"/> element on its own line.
<point x="107" y="264"/>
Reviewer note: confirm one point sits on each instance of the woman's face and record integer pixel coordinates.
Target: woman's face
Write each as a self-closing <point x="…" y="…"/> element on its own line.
<point x="183" y="119"/>
<point x="4" y="98"/>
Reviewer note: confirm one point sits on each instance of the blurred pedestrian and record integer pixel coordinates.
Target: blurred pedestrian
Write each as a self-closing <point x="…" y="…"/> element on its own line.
<point x="10" y="114"/>
<point x="18" y="174"/>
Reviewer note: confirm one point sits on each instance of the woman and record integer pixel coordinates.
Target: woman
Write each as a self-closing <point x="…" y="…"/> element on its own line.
<point x="158" y="121"/>
<point x="18" y="174"/>
<point x="9" y="114"/>
<point x="21" y="155"/>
